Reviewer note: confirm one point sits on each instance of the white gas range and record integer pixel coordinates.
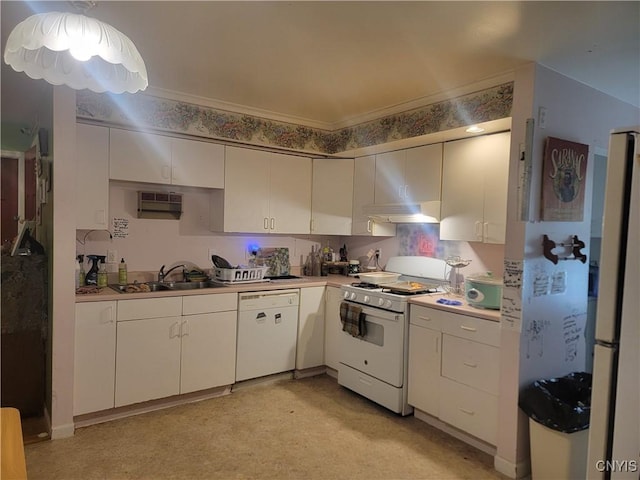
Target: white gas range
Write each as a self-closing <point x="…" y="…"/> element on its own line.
<point x="374" y="361"/>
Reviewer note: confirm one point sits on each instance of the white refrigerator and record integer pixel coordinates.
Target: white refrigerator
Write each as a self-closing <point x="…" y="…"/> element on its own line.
<point x="614" y="429"/>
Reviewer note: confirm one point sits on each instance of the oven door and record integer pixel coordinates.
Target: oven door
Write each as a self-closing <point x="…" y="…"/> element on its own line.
<point x="380" y="353"/>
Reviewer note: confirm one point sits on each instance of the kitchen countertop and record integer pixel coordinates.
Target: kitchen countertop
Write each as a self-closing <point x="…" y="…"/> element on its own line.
<point x="303" y="282"/>
<point x="464" y="309"/>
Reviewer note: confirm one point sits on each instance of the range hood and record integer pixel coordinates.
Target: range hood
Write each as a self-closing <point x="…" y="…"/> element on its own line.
<point x="422" y="212"/>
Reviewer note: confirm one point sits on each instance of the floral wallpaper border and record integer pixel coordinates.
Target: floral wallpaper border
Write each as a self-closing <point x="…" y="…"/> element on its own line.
<point x="170" y="115"/>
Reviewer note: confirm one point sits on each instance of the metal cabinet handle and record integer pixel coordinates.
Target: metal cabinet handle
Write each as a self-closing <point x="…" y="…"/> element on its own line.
<point x="406" y="192"/>
<point x="174" y="330"/>
<point x="265" y="223"/>
<point x="273" y="223"/>
<point x="369" y="226"/>
<point x="485" y="230"/>
<point x="478" y="230"/>
<point x="400" y="188"/>
<point x="468" y="412"/>
<point x="468" y="329"/>
<point x="184" y="328"/>
<point x="472" y="365"/>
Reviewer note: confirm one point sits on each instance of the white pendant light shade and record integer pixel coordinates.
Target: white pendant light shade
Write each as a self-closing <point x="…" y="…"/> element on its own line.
<point x="78" y="51"/>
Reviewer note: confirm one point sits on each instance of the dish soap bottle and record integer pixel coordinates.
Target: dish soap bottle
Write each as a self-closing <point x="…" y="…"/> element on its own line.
<point x="122" y="273"/>
<point x="102" y="273"/>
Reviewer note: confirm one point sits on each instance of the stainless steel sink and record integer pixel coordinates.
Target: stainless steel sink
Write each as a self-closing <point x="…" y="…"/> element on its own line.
<point x="148" y="287"/>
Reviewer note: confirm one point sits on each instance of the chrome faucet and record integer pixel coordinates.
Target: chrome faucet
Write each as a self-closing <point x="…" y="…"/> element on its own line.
<point x="162" y="274"/>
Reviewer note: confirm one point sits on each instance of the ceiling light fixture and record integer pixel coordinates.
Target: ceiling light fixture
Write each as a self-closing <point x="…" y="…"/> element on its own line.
<point x="474" y="129"/>
<point x="78" y="51"/>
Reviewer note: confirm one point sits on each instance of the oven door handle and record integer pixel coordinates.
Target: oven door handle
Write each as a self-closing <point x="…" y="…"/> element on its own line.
<point x="375" y="313"/>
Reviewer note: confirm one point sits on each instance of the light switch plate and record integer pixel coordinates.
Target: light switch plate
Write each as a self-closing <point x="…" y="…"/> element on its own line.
<point x="112" y="256"/>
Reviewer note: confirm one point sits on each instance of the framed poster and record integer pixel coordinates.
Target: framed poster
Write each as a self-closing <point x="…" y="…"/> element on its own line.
<point x="564" y="169"/>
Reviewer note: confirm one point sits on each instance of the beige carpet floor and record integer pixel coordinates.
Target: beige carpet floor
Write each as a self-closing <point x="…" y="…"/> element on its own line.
<point x="292" y="429"/>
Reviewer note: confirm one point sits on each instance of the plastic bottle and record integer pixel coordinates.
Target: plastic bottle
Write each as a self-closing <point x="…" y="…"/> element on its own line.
<point x="102" y="275"/>
<point x="122" y="272"/>
<point x="77" y="272"/>
<point x="92" y="275"/>
<point x="81" y="272"/>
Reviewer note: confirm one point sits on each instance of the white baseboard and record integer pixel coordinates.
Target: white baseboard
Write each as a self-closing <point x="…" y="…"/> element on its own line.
<point x="510" y="469"/>
<point x="332" y="373"/>
<point x="454" y="432"/>
<point x="62" y="431"/>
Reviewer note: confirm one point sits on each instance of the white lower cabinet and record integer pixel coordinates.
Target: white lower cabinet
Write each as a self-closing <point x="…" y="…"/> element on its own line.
<point x="208" y="341"/>
<point x="310" y="344"/>
<point x="425" y="348"/>
<point x="174" y="345"/>
<point x="148" y="359"/>
<point x="332" y="327"/>
<point x="454" y="369"/>
<point x="94" y="357"/>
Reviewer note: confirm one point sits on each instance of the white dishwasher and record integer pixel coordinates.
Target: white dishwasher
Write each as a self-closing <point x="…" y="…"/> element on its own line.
<point x="267" y="333"/>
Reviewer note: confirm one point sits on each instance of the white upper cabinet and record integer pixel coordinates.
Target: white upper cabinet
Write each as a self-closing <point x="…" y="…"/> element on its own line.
<point x="474" y="189"/>
<point x="364" y="174"/>
<point x="197" y="164"/>
<point x="92" y="177"/>
<point x="407" y="176"/>
<point x="150" y="158"/>
<point x="264" y="193"/>
<point x="332" y="196"/>
<point x="139" y="157"/>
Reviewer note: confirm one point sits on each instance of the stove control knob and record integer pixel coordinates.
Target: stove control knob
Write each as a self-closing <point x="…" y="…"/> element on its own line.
<point x="366" y="299"/>
<point x="353" y="295"/>
<point x="346" y="295"/>
<point x="381" y="302"/>
<point x="388" y="304"/>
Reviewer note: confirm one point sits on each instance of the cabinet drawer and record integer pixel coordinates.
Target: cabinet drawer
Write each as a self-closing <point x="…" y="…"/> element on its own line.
<point x="471" y="363"/>
<point x="471" y="328"/>
<point x="223" y="302"/>
<point x="470" y="410"/>
<point x="426" y="317"/>
<point x="149" y="308"/>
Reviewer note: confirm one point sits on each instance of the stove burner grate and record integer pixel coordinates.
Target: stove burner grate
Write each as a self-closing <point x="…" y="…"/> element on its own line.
<point x="365" y="285"/>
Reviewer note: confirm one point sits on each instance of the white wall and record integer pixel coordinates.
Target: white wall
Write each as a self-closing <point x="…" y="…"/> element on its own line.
<point x="546" y="345"/>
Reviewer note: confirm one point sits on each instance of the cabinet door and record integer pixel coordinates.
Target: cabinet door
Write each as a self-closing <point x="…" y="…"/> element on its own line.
<point x="246" y="192"/>
<point x="147" y="360"/>
<point x="208" y="351"/>
<point x="390" y="184"/>
<point x="496" y="185"/>
<point x="332" y="196"/>
<point x="92" y="177"/>
<point x="197" y="164"/>
<point x="462" y="191"/>
<point x="423" y="173"/>
<point x="290" y="194"/>
<point x="139" y="157"/>
<point x="332" y="327"/>
<point x="423" y="382"/>
<point x="364" y="175"/>
<point x="95" y="357"/>
<point x="310" y="347"/>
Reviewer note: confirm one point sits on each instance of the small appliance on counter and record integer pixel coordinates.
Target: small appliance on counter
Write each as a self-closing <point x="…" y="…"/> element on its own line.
<point x="483" y="291"/>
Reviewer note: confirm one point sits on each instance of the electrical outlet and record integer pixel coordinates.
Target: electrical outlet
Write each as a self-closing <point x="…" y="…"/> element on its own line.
<point x="112" y="256"/>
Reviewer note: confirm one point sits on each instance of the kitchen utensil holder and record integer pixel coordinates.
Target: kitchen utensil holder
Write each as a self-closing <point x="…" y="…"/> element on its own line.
<point x="575" y="244"/>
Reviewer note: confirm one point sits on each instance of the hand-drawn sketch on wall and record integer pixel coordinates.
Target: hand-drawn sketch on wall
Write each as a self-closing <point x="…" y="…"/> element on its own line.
<point x="564" y="168"/>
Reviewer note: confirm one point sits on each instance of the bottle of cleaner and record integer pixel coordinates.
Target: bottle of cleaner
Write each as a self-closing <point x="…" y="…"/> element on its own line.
<point x="122" y="272"/>
<point x="92" y="275"/>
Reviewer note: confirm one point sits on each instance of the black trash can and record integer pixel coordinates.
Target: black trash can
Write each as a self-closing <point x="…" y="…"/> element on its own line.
<point x="559" y="411"/>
